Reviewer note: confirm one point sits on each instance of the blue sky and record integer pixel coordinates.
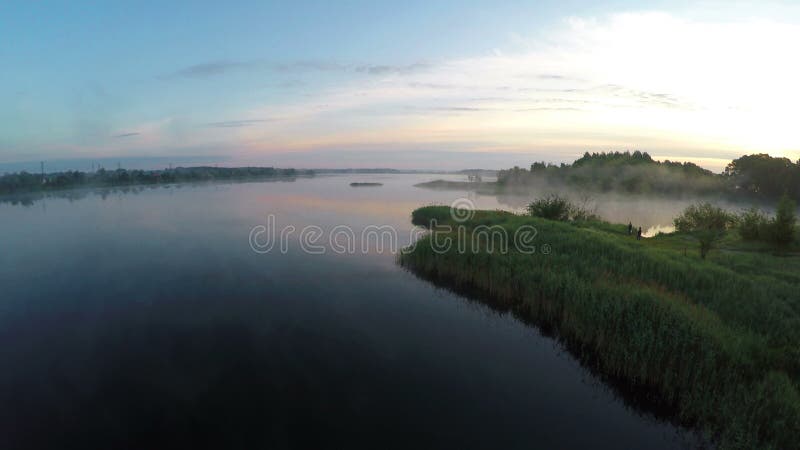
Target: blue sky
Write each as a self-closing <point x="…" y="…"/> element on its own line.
<point x="402" y="84"/>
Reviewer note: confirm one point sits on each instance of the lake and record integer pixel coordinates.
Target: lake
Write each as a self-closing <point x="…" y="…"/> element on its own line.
<point x="159" y="317"/>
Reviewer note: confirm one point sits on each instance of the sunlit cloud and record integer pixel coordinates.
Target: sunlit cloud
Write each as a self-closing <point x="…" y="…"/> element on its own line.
<point x="644" y="80"/>
<point x="679" y="88"/>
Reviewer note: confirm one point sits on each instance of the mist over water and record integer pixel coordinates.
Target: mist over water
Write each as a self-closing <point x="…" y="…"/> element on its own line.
<point x="652" y="213"/>
<point x="144" y="317"/>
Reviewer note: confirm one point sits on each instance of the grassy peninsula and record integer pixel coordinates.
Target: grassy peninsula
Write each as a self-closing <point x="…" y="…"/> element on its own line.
<point x="717" y="339"/>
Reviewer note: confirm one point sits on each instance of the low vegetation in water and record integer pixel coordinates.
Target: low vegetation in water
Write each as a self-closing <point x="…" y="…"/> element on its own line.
<point x="717" y="338"/>
<point x="363" y="184"/>
<point x="483" y="187"/>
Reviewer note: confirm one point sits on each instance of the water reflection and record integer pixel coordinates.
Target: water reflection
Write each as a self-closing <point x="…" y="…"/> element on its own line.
<point x="147" y="321"/>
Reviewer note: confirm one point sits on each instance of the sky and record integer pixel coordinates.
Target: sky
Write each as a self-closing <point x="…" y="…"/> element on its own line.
<point x="411" y="84"/>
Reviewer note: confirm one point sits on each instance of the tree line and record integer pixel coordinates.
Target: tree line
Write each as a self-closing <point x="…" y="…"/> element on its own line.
<point x="755" y="176"/>
<point x="27" y="182"/>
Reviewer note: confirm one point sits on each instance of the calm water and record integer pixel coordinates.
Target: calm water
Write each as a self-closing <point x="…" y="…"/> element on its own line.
<point x="145" y="319"/>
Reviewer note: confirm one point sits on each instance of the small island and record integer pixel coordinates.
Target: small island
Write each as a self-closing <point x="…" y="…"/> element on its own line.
<point x="706" y="319"/>
<point x="362" y="184"/>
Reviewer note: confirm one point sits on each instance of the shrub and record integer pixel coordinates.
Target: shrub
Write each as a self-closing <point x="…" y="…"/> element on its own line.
<point x="555" y="207"/>
<point x="782" y="226"/>
<point x="552" y="207"/>
<point x="704" y="216"/>
<point x="707" y="222"/>
<point x="753" y="224"/>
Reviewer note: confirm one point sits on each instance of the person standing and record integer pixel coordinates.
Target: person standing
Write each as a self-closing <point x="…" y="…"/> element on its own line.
<point x="639" y="234"/>
<point x="630" y="228"/>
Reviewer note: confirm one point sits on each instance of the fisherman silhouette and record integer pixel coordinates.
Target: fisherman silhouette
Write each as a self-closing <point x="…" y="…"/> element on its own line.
<point x="630" y="228"/>
<point x="639" y="234"/>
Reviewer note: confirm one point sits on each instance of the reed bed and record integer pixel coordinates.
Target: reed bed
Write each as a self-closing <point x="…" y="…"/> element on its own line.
<point x="719" y="344"/>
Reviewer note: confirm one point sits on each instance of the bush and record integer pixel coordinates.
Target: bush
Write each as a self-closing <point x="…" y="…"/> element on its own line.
<point x="753" y="224"/>
<point x="704" y="217"/>
<point x="707" y="222"/>
<point x="780" y="230"/>
<point x="552" y="207"/>
<point x="782" y="226"/>
<point x="555" y="207"/>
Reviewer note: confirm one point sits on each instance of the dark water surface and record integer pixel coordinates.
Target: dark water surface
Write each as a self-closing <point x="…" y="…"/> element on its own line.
<point x="146" y="320"/>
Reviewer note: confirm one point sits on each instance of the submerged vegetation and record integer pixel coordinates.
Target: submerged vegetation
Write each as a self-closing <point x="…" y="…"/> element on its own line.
<point x="717" y="338"/>
<point x="28" y="182"/>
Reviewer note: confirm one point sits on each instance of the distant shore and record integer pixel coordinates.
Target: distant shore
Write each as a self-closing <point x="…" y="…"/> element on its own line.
<point x="750" y="177"/>
<point x="25" y="182"/>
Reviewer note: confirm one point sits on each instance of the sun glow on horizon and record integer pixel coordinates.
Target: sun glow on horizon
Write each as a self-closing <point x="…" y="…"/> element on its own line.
<point x="649" y="81"/>
<point x="653" y="81"/>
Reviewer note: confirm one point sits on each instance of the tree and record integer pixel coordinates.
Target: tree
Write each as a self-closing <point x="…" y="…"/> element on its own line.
<point x="706" y="222"/>
<point x="764" y="175"/>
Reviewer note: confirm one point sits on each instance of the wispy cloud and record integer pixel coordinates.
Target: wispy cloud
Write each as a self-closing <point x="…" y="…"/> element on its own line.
<point x="548" y="108"/>
<point x="620" y="80"/>
<point x="421" y="85"/>
<point x="458" y="108"/>
<point x="645" y="97"/>
<point x="209" y="69"/>
<point x="393" y="69"/>
<point x="237" y="123"/>
<point x="550" y="76"/>
<point x="126" y="135"/>
<point x="217" y="68"/>
<point x="304" y="66"/>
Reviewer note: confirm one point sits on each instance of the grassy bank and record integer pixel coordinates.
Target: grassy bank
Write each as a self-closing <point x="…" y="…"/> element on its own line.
<point x="717" y="339"/>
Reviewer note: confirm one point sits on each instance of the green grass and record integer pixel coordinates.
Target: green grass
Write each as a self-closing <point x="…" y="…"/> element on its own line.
<point x="718" y="339"/>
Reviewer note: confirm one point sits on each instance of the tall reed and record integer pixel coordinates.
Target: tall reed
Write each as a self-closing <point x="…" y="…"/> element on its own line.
<point x="721" y="346"/>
